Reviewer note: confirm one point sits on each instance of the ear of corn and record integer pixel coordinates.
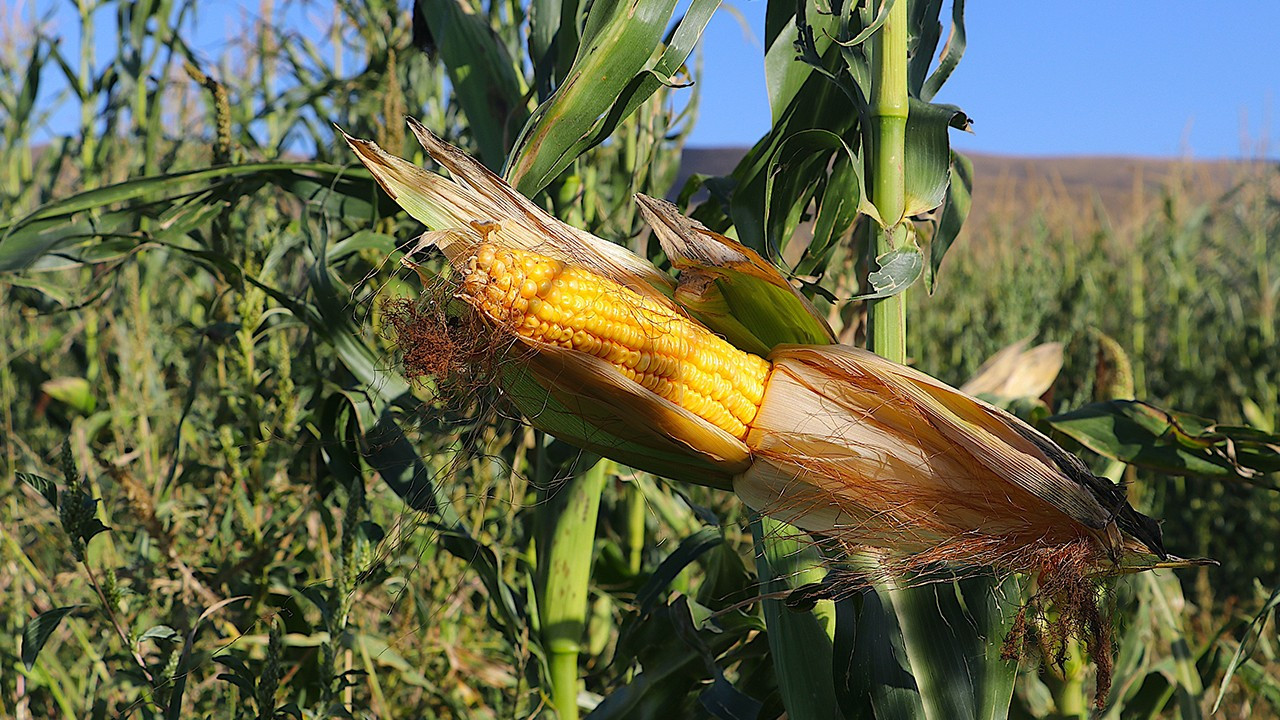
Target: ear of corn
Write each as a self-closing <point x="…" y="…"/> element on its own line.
<point x="606" y="368"/>
<point x="828" y="438"/>
<point x="547" y="302"/>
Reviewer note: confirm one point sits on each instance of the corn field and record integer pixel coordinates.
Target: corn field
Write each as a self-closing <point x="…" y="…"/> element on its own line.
<point x="309" y="411"/>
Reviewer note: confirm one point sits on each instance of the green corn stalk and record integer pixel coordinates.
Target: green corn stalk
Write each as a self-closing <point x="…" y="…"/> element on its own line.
<point x="636" y="516"/>
<point x="564" y="556"/>
<point x="889" y="108"/>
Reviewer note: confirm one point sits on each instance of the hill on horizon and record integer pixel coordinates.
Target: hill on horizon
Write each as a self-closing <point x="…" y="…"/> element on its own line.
<point x="1110" y="190"/>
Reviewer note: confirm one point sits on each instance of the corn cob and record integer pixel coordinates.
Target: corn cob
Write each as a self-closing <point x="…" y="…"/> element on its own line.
<point x="546" y="301"/>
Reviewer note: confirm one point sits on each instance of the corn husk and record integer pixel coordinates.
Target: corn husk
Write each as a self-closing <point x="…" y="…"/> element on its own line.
<point x="879" y="455"/>
<point x="474" y="195"/>
<point x="730" y="288"/>
<point x="1017" y="372"/>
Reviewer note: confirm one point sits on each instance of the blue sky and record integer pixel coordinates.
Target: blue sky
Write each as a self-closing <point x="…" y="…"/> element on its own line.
<point x="1127" y="77"/>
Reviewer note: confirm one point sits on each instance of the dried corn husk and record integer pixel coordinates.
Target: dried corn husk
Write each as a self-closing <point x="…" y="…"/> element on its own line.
<point x="879" y="455"/>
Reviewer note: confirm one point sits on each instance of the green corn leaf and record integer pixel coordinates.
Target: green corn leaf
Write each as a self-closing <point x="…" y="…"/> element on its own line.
<point x="800" y="642"/>
<point x="838" y="210"/>
<point x="953" y="636"/>
<point x="898" y="270"/>
<point x="1171" y="442"/>
<point x="690" y="549"/>
<point x="761" y="208"/>
<point x="1186" y="683"/>
<point x="1248" y="645"/>
<point x="96" y="215"/>
<point x="785" y="73"/>
<point x="929" y="652"/>
<point x="23" y="108"/>
<point x="674" y="671"/>
<point x="955" y="210"/>
<point x="483" y="74"/>
<point x="664" y="73"/>
<point x="872" y="670"/>
<point x="928" y="161"/>
<point x="797" y="175"/>
<point x="619" y="39"/>
<point x="553" y="41"/>
<point x="925" y="33"/>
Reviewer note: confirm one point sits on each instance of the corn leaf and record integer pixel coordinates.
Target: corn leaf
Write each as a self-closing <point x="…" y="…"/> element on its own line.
<point x="928" y="161"/>
<point x="665" y="72"/>
<point x="925" y="29"/>
<point x="953" y="636"/>
<point x="179" y="203"/>
<point x="797" y="175"/>
<point x="483" y="74"/>
<point x="872" y="670"/>
<point x="896" y="271"/>
<point x="955" y="210"/>
<point x="554" y="33"/>
<point x="20" y="106"/>
<point x="786" y="74"/>
<point x="618" y="41"/>
<point x="1171" y="442"/>
<point x="1248" y="645"/>
<point x="787" y="560"/>
<point x="673" y="672"/>
<point x="815" y="124"/>
<point x="928" y="652"/>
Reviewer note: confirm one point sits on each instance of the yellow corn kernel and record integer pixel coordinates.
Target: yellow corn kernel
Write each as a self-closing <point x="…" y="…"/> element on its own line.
<point x="545" y="300"/>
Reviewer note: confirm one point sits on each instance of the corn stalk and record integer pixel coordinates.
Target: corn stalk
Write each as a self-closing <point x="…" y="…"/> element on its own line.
<point x="568" y="515"/>
<point x="889" y="109"/>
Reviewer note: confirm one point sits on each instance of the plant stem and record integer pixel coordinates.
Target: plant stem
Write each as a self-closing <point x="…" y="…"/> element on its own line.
<point x="1069" y="698"/>
<point x="889" y="106"/>
<point x="88" y="114"/>
<point x="564" y="574"/>
<point x="637" y="514"/>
